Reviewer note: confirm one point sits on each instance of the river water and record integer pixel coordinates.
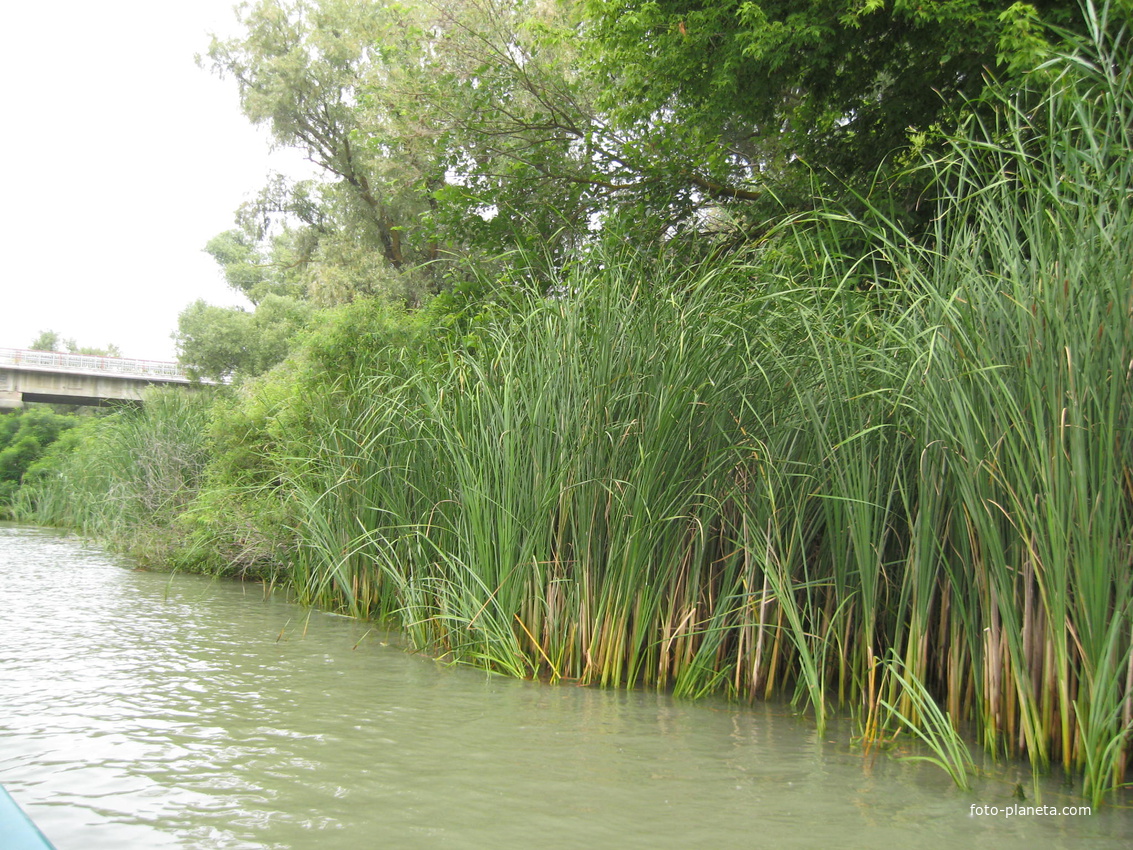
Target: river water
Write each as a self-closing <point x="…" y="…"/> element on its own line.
<point x="142" y="710"/>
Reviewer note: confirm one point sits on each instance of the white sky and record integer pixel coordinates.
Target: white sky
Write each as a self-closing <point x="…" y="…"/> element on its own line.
<point x="121" y="159"/>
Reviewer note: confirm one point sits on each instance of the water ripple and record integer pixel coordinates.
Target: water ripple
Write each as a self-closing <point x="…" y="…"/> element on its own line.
<point x="140" y="710"/>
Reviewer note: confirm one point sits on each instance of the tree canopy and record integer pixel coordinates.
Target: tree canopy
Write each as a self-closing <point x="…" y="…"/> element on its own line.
<point x="743" y="91"/>
<point x="54" y="341"/>
<point x="466" y="129"/>
<point x="219" y="342"/>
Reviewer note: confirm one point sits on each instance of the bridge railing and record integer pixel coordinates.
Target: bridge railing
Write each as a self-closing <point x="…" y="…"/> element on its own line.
<point x="92" y="364"/>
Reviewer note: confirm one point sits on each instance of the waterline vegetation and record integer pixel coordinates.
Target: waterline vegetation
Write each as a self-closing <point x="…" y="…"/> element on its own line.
<point x="876" y="470"/>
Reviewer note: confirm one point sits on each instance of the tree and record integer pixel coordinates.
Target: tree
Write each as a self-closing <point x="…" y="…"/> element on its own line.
<point x="110" y="350"/>
<point x="255" y="272"/>
<point x="474" y="126"/>
<point x="24" y="435"/>
<point x="219" y="342"/>
<point x="52" y="341"/>
<point x="47" y="341"/>
<point x="744" y="93"/>
<point x="442" y="130"/>
<point x="511" y="118"/>
<point x="299" y="66"/>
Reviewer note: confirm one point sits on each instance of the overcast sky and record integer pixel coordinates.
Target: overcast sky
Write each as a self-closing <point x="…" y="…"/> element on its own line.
<point x="121" y="160"/>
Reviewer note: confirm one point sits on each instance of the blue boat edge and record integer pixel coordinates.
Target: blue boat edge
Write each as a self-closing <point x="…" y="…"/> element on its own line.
<point x="17" y="829"/>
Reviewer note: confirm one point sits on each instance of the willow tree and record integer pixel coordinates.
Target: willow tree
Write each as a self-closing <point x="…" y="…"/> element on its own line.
<point x="439" y="129"/>
<point x="472" y="126"/>
<point x="300" y="67"/>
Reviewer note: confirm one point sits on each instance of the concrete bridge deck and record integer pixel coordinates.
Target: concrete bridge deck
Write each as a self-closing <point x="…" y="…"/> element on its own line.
<point x="57" y="378"/>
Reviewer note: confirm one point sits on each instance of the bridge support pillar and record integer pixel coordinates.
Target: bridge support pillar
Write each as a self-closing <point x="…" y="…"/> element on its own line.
<point x="10" y="400"/>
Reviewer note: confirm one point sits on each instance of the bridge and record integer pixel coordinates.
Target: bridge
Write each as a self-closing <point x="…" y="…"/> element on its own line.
<point x="57" y="378"/>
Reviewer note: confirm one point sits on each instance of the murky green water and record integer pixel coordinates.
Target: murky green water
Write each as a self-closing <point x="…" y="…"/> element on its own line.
<point x="139" y="710"/>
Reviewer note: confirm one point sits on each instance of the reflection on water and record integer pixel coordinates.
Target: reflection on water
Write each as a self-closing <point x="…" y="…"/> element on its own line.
<point x="140" y="710"/>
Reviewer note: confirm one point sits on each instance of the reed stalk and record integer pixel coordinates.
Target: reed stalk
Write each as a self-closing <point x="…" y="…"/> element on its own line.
<point x="851" y="466"/>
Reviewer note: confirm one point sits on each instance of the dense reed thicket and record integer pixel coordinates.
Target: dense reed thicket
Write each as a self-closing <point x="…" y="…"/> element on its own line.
<point x="900" y="471"/>
<point x="863" y="477"/>
<point x="127" y="477"/>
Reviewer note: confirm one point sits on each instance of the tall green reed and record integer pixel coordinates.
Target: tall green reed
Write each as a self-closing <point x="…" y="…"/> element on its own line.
<point x="1019" y="305"/>
<point x="767" y="475"/>
<point x="127" y="477"/>
<point x="557" y="500"/>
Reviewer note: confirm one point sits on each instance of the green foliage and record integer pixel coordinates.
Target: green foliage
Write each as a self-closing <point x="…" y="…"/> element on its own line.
<point x="52" y="341"/>
<point x="1019" y="519"/>
<point x="930" y="724"/>
<point x="47" y="341"/>
<point x="514" y="128"/>
<point x="219" y="342"/>
<point x="239" y="523"/>
<point x="15" y="458"/>
<point x="300" y="68"/>
<point x="483" y="126"/>
<point x="444" y="133"/>
<point x="735" y="91"/>
<point x="24" y="436"/>
<point x="252" y="273"/>
<point x="855" y="463"/>
<point x="125" y="478"/>
<point x="469" y="500"/>
<point x="771" y="474"/>
<point x="352" y="338"/>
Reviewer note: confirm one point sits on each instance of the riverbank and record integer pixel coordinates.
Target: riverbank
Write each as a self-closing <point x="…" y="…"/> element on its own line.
<point x="142" y="709"/>
<point x="879" y="472"/>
